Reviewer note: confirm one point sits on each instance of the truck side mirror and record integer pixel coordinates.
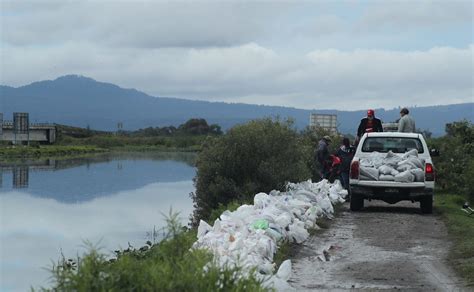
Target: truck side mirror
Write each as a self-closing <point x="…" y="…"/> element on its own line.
<point x="434" y="152"/>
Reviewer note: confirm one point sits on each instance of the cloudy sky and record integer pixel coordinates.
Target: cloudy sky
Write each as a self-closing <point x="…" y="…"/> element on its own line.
<point x="305" y="54"/>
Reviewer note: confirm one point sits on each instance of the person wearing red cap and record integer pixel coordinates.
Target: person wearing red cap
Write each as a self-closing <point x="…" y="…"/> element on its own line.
<point x="369" y="124"/>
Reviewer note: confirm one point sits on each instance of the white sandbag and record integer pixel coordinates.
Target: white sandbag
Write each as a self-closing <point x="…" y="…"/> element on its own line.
<point x="283" y="220"/>
<point x="386" y="177"/>
<point x="386" y="169"/>
<point x="277" y="284"/>
<point x="261" y="200"/>
<point x="297" y="231"/>
<point x="419" y="174"/>
<point x="275" y="234"/>
<point x="404" y="167"/>
<point x="374" y="159"/>
<point x="284" y="271"/>
<point x="370" y="172"/>
<point x="412" y="152"/>
<point x="417" y="162"/>
<point x="248" y="236"/>
<point x="203" y="228"/>
<point x="405" y="176"/>
<point x="392" y="159"/>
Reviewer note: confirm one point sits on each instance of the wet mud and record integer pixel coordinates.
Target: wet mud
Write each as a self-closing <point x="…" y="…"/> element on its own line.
<point x="381" y="248"/>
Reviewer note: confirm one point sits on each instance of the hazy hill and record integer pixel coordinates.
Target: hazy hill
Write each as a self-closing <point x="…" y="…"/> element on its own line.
<point x="82" y="101"/>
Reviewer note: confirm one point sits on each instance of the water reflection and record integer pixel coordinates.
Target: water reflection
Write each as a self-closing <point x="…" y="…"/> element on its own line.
<point x="78" y="182"/>
<point x="111" y="200"/>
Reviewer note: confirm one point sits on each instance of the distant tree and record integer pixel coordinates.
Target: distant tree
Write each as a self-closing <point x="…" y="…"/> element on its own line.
<point x="215" y="129"/>
<point x="195" y="127"/>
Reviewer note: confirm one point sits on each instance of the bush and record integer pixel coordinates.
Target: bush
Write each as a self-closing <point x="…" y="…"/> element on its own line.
<point x="455" y="165"/>
<point x="259" y="156"/>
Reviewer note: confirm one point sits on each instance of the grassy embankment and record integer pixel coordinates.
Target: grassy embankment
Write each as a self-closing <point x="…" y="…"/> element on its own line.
<point x="51" y="151"/>
<point x="181" y="143"/>
<point x="76" y="147"/>
<point x="169" y="265"/>
<point x="76" y="141"/>
<point x="461" y="231"/>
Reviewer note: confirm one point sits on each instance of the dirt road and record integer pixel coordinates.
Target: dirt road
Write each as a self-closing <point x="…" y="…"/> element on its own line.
<point x="384" y="247"/>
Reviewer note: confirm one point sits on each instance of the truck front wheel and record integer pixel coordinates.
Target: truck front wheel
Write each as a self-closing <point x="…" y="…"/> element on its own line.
<point x="357" y="202"/>
<point x="426" y="204"/>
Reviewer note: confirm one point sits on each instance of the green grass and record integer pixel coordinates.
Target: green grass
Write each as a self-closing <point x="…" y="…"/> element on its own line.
<point x="461" y="231"/>
<point x="169" y="265"/>
<point x="181" y="142"/>
<point x="11" y="152"/>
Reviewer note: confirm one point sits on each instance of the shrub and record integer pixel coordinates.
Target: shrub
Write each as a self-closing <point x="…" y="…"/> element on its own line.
<point x="259" y="156"/>
<point x="455" y="165"/>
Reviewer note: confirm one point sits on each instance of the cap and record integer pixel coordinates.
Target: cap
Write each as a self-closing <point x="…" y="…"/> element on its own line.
<point x="327" y="138"/>
<point x="370" y="112"/>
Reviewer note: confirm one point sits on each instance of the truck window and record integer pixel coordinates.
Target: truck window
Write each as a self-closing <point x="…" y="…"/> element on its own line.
<point x="394" y="144"/>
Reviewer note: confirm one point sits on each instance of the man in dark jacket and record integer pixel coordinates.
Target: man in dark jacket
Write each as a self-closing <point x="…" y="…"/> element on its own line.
<point x="346" y="153"/>
<point x="323" y="157"/>
<point x="369" y="124"/>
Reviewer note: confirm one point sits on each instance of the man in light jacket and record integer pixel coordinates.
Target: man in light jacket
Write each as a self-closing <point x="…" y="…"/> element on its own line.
<point x="406" y="124"/>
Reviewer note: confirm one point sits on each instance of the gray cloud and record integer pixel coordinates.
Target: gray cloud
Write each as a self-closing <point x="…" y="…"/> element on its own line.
<point x="257" y="52"/>
<point x="147" y="24"/>
<point x="409" y="14"/>
<point x="252" y="73"/>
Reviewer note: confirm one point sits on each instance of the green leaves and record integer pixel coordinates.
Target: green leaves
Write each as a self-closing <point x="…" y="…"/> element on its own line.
<point x="258" y="156"/>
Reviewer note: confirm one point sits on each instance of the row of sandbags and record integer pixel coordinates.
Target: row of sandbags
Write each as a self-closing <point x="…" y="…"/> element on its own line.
<point x="249" y="236"/>
<point x="407" y="167"/>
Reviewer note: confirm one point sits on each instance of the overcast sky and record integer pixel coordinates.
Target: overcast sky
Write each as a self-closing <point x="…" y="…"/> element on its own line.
<point x="306" y="54"/>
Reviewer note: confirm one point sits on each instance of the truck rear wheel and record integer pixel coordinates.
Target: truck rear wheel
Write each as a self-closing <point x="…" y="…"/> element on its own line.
<point x="426" y="204"/>
<point x="357" y="202"/>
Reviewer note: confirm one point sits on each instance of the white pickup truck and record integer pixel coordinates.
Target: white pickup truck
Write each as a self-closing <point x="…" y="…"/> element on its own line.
<point x="392" y="167"/>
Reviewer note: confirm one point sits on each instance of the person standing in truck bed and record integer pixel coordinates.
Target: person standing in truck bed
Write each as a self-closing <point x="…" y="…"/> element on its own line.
<point x="406" y="124"/>
<point x="369" y="124"/>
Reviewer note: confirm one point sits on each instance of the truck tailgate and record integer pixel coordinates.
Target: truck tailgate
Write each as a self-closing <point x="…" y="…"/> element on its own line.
<point x="388" y="184"/>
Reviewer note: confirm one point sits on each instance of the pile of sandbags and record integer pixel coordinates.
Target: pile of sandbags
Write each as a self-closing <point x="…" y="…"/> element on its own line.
<point x="407" y="167"/>
<point x="248" y="237"/>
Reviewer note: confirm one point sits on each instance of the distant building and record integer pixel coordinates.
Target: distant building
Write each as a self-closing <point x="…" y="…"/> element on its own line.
<point x="327" y="122"/>
<point x="20" y="131"/>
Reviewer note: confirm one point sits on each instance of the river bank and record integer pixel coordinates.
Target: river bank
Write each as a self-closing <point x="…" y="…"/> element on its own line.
<point x="14" y="153"/>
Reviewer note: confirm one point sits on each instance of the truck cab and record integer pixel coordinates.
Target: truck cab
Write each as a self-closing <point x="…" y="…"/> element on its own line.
<point x="392" y="149"/>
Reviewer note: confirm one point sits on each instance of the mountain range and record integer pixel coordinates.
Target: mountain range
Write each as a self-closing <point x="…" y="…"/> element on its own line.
<point x="82" y="101"/>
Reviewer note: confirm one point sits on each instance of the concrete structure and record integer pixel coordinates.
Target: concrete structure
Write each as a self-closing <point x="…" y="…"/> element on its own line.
<point x="326" y="122"/>
<point x="23" y="134"/>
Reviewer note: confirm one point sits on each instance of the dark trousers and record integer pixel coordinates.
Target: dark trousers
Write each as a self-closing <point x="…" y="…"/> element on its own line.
<point x="345" y="179"/>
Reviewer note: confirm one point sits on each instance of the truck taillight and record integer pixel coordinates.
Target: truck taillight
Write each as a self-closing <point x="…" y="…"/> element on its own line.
<point x="354" y="173"/>
<point x="429" y="172"/>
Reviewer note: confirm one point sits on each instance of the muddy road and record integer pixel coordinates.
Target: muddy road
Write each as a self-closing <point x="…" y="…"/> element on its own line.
<point x="383" y="247"/>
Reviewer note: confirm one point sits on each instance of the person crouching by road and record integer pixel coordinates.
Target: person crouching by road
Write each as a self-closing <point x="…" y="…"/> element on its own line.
<point x="345" y="153"/>
<point x="406" y="124"/>
<point x="323" y="156"/>
<point x="369" y="124"/>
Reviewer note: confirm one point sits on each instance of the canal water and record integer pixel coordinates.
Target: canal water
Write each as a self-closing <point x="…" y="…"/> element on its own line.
<point x="51" y="207"/>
